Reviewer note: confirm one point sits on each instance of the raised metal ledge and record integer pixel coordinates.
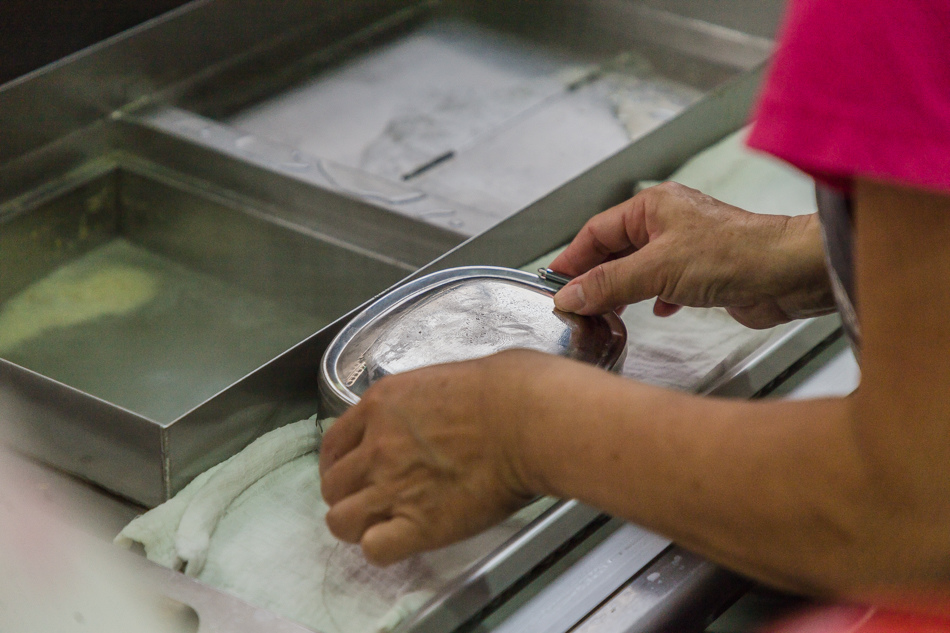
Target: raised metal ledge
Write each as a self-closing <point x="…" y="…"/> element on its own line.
<point x="289" y="162"/>
<point x="760" y="368"/>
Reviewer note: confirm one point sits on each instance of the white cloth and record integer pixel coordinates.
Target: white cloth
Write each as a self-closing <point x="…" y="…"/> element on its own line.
<point x="254" y="527"/>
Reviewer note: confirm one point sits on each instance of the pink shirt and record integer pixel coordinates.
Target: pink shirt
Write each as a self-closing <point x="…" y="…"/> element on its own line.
<point x="861" y="88"/>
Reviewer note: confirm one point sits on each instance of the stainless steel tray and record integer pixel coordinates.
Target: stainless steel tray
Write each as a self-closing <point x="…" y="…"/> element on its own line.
<point x="165" y="294"/>
<point x="461" y="113"/>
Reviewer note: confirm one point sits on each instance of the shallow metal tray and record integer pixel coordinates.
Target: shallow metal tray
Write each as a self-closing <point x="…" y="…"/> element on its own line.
<point x="460" y="113"/>
<point x="166" y="294"/>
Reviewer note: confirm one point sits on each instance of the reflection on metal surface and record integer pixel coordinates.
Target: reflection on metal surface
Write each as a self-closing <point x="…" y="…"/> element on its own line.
<point x="363" y="184"/>
<point x="553" y="277"/>
<point x="469" y="320"/>
<point x="752" y="374"/>
<point x="833" y="372"/>
<point x="572" y="596"/>
<point x="475" y="110"/>
<point x="677" y="592"/>
<point x="530" y="548"/>
<point x="287" y="160"/>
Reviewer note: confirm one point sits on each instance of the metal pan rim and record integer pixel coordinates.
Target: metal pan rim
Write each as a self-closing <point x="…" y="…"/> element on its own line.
<point x="336" y="397"/>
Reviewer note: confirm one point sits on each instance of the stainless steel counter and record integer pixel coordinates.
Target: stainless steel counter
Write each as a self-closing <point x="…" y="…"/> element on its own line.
<point x="344" y="148"/>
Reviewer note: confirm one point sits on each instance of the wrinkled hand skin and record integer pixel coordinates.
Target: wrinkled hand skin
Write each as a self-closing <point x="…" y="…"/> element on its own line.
<point x="688" y="249"/>
<point x="427" y="458"/>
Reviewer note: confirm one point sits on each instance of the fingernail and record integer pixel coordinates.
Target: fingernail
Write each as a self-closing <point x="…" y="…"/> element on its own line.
<point x="570" y="298"/>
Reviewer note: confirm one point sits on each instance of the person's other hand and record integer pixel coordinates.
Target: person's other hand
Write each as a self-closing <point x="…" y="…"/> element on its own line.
<point x="688" y="249"/>
<point x="428" y="457"/>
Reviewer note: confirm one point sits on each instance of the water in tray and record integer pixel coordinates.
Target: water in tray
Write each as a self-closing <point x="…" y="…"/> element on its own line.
<point x="144" y="332"/>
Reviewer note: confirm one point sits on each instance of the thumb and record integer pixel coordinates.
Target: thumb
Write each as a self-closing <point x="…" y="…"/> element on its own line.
<point x="610" y="285"/>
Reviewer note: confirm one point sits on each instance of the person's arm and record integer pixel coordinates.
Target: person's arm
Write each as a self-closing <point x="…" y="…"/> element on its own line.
<point x="840" y="496"/>
<point x="836" y="496"/>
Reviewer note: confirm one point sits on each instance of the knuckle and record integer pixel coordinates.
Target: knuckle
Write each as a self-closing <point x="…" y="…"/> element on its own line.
<point x="326" y="490"/>
<point x="670" y="191"/>
<point x="675" y="188"/>
<point x="596" y="242"/>
<point x="667" y="188"/>
<point x="599" y="286"/>
<point x="375" y="554"/>
<point x="339" y="526"/>
<point x="378" y="452"/>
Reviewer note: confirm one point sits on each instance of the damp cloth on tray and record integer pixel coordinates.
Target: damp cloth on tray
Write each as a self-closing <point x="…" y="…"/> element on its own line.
<point x="696" y="346"/>
<point x="253" y="526"/>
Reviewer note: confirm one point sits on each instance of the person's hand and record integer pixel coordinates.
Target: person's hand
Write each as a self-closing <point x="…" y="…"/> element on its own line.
<point x="428" y="457"/>
<point x="688" y="249"/>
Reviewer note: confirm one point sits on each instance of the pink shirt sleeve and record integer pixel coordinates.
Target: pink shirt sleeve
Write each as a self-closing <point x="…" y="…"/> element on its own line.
<point x="861" y="88"/>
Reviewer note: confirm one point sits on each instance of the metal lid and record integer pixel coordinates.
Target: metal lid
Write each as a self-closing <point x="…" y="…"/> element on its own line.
<point x="460" y="314"/>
